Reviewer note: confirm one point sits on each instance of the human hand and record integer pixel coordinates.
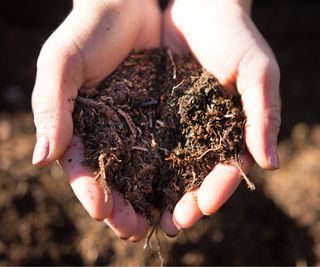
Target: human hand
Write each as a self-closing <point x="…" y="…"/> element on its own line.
<point x="92" y="41"/>
<point x="221" y="35"/>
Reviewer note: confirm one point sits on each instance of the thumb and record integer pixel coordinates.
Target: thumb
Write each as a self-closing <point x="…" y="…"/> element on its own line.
<point x="57" y="81"/>
<point x="258" y="83"/>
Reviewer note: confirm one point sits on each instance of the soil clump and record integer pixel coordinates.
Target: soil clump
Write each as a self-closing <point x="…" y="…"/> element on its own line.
<point x="156" y="126"/>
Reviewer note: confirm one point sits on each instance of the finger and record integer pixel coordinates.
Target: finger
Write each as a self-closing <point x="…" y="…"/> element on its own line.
<point x="167" y="224"/>
<point x="172" y="36"/>
<point x="142" y="229"/>
<point x="57" y="82"/>
<point x="123" y="220"/>
<point x="90" y="194"/>
<point x="258" y="84"/>
<point x="219" y="185"/>
<point x="187" y="212"/>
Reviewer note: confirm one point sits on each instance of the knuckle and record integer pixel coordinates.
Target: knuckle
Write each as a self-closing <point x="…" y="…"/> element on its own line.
<point x="273" y="118"/>
<point x="270" y="65"/>
<point x="59" y="53"/>
<point x="275" y="70"/>
<point x="48" y="54"/>
<point x="42" y="103"/>
<point x="268" y="118"/>
<point x="44" y="114"/>
<point x="270" y="73"/>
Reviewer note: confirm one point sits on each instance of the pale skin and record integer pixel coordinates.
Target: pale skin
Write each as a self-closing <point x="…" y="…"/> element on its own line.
<point x="91" y="43"/>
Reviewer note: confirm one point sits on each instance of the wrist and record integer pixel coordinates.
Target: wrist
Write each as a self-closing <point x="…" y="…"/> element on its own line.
<point x="98" y="3"/>
<point x="217" y="4"/>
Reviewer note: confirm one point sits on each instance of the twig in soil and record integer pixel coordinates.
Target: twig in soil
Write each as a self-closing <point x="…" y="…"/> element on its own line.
<point x="194" y="178"/>
<point x="132" y="126"/>
<point x="101" y="175"/>
<point x="155" y="230"/>
<point x="207" y="151"/>
<point x="175" y="87"/>
<point x="140" y="148"/>
<point x="89" y="102"/>
<point x="148" y="239"/>
<point x="174" y="76"/>
<point x="250" y="185"/>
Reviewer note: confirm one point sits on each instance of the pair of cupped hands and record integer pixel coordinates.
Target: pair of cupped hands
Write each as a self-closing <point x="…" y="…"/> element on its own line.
<point x="97" y="36"/>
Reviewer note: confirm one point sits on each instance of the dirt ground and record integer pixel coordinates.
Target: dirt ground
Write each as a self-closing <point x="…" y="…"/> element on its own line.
<point x="42" y="223"/>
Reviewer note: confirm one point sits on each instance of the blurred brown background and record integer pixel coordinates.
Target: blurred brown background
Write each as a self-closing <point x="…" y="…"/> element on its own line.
<point x="41" y="222"/>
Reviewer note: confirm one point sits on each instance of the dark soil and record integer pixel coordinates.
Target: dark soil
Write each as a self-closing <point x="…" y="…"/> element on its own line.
<point x="156" y="127"/>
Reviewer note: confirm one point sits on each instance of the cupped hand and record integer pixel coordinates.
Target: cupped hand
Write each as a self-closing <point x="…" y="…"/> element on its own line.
<point x="91" y="42"/>
<point x="222" y="36"/>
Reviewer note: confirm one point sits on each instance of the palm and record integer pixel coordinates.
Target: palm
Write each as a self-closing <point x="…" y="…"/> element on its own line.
<point x="225" y="41"/>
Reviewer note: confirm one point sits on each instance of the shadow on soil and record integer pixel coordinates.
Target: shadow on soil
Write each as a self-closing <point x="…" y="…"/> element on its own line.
<point x="249" y="230"/>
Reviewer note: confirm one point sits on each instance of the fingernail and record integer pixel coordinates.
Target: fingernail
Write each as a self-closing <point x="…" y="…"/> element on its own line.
<point x="123" y="238"/>
<point x="177" y="225"/>
<point x="134" y="240"/>
<point x="41" y="150"/>
<point x="273" y="157"/>
<point x="172" y="236"/>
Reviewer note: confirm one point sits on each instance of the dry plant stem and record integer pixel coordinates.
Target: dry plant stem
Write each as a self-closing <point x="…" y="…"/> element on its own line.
<point x="129" y="121"/>
<point x="155" y="229"/>
<point x="174" y="75"/>
<point x="207" y="151"/>
<point x="250" y="185"/>
<point x="101" y="175"/>
<point x="88" y="102"/>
